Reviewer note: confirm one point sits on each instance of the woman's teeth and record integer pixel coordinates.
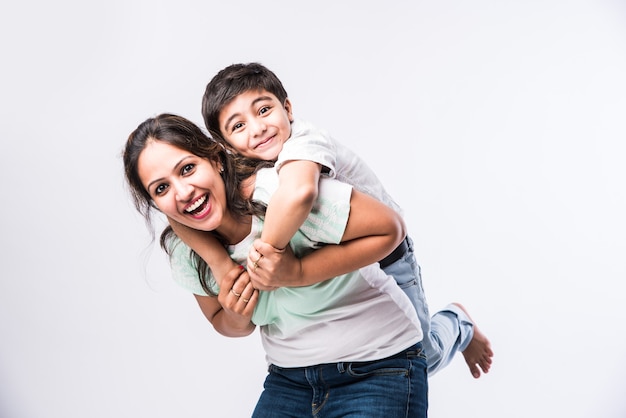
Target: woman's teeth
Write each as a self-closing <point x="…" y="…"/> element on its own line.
<point x="196" y="204"/>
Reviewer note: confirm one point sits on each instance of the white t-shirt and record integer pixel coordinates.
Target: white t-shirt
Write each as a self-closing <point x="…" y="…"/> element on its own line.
<point x="360" y="316"/>
<point x="309" y="143"/>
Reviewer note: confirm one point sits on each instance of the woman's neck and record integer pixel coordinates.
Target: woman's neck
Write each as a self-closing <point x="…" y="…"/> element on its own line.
<point x="235" y="229"/>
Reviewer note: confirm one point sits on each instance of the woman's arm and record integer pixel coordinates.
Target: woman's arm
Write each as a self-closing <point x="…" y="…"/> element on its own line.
<point x="207" y="247"/>
<point x="231" y="312"/>
<point x="372" y="232"/>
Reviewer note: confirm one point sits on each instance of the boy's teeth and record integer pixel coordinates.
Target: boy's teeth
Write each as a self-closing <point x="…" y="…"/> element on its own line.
<point x="196" y="204"/>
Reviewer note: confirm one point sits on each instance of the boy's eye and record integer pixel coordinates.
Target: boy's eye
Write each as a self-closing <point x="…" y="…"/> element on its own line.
<point x="264" y="110"/>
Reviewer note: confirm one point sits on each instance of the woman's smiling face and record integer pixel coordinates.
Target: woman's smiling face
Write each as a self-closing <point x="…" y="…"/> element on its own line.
<point x="185" y="187"/>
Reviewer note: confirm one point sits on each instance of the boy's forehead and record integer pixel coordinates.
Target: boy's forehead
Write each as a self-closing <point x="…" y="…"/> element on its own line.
<point x="256" y="93"/>
<point x="247" y="98"/>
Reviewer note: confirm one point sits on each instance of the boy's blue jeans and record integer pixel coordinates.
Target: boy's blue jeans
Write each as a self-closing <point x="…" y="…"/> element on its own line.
<point x="448" y="331"/>
<point x="396" y="386"/>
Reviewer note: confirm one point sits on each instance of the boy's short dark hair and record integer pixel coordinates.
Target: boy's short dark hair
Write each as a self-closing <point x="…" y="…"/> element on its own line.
<point x="232" y="81"/>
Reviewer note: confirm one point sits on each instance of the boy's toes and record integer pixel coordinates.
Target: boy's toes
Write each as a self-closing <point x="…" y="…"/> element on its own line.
<point x="474" y="370"/>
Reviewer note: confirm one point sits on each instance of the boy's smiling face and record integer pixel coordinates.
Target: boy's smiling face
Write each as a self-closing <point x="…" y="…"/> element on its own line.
<point x="256" y="124"/>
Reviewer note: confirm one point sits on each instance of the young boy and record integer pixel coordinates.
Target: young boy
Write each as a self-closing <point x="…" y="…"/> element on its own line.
<point x="246" y="107"/>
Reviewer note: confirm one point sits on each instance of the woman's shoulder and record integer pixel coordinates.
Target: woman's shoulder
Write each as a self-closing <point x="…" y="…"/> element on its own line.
<point x="184" y="269"/>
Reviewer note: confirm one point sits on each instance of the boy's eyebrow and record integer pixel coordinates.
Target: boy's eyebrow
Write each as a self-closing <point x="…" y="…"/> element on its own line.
<point x="174" y="169"/>
<point x="254" y="102"/>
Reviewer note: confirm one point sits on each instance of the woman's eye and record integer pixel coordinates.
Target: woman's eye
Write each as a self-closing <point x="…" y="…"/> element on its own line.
<point x="237" y="126"/>
<point x="187" y="168"/>
<point x="160" y="189"/>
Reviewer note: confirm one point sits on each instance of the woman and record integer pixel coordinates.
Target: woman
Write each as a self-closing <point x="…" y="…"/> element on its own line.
<point x="348" y="346"/>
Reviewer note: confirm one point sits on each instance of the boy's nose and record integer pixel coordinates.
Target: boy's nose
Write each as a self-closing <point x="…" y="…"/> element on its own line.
<point x="258" y="127"/>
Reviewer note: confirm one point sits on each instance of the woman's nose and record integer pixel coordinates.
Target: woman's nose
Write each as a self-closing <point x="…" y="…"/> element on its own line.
<point x="184" y="192"/>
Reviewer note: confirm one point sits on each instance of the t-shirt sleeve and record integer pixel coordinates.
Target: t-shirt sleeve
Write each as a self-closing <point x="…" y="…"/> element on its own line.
<point x="329" y="215"/>
<point x="183" y="267"/>
<point x="310" y="144"/>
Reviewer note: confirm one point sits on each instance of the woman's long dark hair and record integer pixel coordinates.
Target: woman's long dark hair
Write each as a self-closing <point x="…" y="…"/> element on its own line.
<point x="184" y="134"/>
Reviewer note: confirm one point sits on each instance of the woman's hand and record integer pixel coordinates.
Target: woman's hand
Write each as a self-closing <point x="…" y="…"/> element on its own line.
<point x="270" y="268"/>
<point x="238" y="298"/>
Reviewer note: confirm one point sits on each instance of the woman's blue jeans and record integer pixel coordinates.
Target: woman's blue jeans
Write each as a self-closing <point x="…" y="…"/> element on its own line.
<point x="393" y="387"/>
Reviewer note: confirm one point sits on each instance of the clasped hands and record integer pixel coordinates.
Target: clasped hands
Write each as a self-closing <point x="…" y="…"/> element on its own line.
<point x="270" y="268"/>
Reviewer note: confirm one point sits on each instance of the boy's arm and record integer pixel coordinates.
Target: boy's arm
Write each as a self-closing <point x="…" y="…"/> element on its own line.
<point x="290" y="205"/>
<point x="207" y="247"/>
<point x="372" y="232"/>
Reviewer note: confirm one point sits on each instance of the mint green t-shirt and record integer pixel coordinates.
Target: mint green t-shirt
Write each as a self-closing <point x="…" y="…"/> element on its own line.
<point x="359" y="316"/>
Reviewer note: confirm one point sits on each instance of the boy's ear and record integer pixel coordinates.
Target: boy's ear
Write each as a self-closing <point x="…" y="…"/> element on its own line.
<point x="289" y="109"/>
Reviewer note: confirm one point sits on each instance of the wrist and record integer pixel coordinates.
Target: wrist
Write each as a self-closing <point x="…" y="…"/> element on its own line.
<point x="299" y="273"/>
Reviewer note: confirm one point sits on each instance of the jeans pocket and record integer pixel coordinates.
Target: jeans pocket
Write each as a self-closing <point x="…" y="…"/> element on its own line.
<point x="416" y="353"/>
<point x="386" y="367"/>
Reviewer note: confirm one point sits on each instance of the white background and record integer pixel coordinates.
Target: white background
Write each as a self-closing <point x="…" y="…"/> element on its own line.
<point x="499" y="126"/>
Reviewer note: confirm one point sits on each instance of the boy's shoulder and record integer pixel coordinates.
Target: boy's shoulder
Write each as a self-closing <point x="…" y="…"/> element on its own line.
<point x="305" y="133"/>
<point x="305" y="130"/>
<point x="304" y="126"/>
<point x="307" y="143"/>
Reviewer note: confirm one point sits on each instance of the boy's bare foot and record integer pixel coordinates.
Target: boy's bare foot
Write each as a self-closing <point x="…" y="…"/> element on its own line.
<point x="478" y="353"/>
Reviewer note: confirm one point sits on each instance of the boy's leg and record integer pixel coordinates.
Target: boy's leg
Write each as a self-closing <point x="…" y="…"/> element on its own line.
<point x="407" y="274"/>
<point x="452" y="331"/>
<point x="449" y="330"/>
<point x="477" y="351"/>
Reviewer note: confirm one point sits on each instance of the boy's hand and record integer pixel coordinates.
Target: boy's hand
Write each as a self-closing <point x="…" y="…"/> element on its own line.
<point x="238" y="297"/>
<point x="270" y="268"/>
